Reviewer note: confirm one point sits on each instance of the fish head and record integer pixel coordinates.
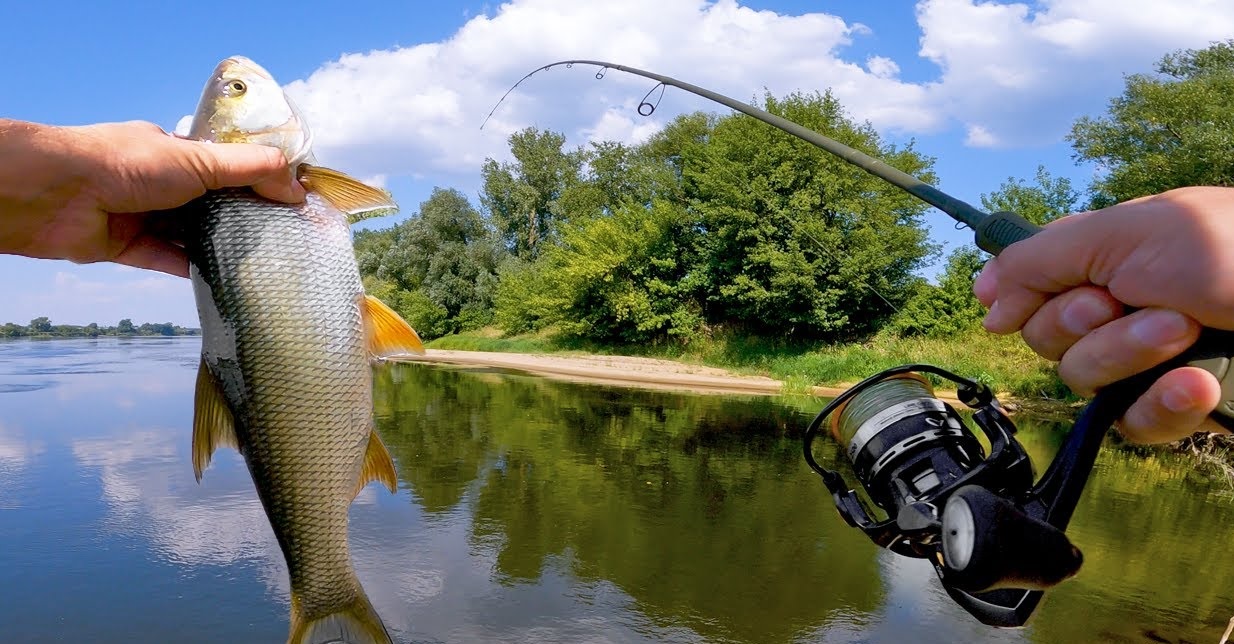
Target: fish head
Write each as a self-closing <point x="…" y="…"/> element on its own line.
<point x="242" y="103"/>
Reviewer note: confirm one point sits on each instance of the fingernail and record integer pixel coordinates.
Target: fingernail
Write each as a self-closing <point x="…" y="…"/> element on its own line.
<point x="1160" y="326"/>
<point x="1177" y="400"/>
<point x="991" y="317"/>
<point x="1085" y="314"/>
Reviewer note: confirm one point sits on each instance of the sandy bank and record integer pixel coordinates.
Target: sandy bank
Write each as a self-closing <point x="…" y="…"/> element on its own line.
<point x="623" y="371"/>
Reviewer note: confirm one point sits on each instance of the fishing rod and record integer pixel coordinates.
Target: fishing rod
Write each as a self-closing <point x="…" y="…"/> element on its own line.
<point x="996" y="540"/>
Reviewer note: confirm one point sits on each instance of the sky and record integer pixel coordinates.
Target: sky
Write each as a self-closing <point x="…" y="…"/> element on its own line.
<point x="395" y="92"/>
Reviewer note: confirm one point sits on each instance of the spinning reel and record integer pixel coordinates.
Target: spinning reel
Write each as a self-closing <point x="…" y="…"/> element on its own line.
<point x="978" y="519"/>
<point x="995" y="539"/>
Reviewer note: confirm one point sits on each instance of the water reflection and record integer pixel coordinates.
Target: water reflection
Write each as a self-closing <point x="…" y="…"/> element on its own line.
<point x="535" y="510"/>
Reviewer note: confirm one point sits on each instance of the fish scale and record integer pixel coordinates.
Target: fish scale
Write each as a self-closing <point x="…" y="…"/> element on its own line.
<point x="281" y="276"/>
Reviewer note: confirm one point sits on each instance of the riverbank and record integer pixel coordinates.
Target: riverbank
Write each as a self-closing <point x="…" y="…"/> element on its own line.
<point x="635" y="371"/>
<point x="759" y="366"/>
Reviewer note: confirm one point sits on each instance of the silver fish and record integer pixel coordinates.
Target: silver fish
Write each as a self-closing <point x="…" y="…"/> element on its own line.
<point x="289" y="337"/>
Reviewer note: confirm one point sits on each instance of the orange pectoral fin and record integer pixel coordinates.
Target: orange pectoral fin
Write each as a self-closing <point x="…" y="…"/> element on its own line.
<point x="388" y="333"/>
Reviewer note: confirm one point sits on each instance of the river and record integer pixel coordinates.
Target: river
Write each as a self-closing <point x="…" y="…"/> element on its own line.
<point x="532" y="510"/>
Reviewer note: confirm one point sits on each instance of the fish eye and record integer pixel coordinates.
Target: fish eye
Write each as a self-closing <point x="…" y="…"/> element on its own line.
<point x="236" y="87"/>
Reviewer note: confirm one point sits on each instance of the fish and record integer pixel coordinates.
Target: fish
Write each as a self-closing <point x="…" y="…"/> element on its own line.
<point x="289" y="339"/>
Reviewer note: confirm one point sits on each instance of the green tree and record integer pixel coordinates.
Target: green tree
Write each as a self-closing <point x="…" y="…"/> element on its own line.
<point x="125" y="327"/>
<point x="798" y="242"/>
<point x="521" y="197"/>
<point x="437" y="269"/>
<point x="1166" y="130"/>
<point x="40" y="325"/>
<point x="950" y="307"/>
<point x="623" y="278"/>
<point x="1041" y="202"/>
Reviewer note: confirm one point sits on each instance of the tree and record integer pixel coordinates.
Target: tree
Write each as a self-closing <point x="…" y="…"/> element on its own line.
<point x="1168" y="130"/>
<point x="798" y="242"/>
<point x="1047" y="200"/>
<point x="951" y="307"/>
<point x="125" y="327"/>
<point x="40" y="325"/>
<point x="521" y="198"/>
<point x="948" y="309"/>
<point x="439" y="268"/>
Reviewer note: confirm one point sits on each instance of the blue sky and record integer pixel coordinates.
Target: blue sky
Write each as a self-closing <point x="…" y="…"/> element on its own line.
<point x="396" y="91"/>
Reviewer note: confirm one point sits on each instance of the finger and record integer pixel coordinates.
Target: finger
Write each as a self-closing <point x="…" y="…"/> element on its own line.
<point x="229" y="165"/>
<point x="1066" y="318"/>
<point x="1176" y="406"/>
<point x="1012" y="310"/>
<point x="1067" y="253"/>
<point x="281" y="188"/>
<point x="1126" y="347"/>
<point x="146" y="251"/>
<point x="985" y="287"/>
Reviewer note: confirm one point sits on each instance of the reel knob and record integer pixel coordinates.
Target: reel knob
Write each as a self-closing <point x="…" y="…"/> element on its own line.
<point x="988" y="543"/>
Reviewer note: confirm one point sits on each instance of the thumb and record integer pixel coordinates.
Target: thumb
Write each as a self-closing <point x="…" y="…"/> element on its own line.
<point x="231" y="165"/>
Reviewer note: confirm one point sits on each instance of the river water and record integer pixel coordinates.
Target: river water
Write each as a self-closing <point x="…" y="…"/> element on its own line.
<point x="532" y="510"/>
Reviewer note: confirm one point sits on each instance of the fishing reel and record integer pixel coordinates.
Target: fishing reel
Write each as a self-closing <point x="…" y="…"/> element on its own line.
<point x="995" y="539"/>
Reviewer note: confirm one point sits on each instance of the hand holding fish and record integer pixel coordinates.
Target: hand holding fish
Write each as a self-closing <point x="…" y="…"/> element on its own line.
<point x="85" y="193"/>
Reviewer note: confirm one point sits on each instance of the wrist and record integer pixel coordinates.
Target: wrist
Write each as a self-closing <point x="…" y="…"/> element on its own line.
<point x="40" y="173"/>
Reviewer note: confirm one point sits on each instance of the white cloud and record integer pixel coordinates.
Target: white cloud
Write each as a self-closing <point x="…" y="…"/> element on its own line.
<point x="1010" y="74"/>
<point x="979" y="137"/>
<point x="417" y="110"/>
<point x="1016" y="76"/>
<point x="79" y="294"/>
<point x="882" y="67"/>
<point x="17" y="451"/>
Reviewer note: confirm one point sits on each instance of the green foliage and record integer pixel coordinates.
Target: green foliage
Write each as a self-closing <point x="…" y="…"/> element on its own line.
<point x="798" y="242"/>
<point x="1046" y="200"/>
<point x="1168" y="130"/>
<point x="439" y="267"/>
<point x="948" y="309"/>
<point x="522" y="197"/>
<point x="43" y="328"/>
<point x="525" y="301"/>
<point x="624" y="278"/>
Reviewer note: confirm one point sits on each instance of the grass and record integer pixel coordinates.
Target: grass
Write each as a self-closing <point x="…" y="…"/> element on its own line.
<point x="1002" y="362"/>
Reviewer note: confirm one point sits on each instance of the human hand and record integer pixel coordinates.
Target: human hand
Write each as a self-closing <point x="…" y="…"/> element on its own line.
<point x="87" y="193"/>
<point x="1064" y="289"/>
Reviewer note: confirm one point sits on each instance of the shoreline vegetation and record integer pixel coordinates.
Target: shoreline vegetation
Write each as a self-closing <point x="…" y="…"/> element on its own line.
<point x="1003" y="363"/>
<point x="41" y="327"/>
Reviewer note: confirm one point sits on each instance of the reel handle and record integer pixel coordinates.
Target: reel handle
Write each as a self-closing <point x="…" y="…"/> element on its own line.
<point x="1212" y="352"/>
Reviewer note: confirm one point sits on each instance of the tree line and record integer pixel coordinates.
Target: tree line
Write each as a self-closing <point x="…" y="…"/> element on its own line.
<point x="42" y="327"/>
<point x="722" y="224"/>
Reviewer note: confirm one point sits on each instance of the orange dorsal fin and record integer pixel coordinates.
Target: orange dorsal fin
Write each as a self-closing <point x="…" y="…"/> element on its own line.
<point x="378" y="466"/>
<point x="357" y="199"/>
